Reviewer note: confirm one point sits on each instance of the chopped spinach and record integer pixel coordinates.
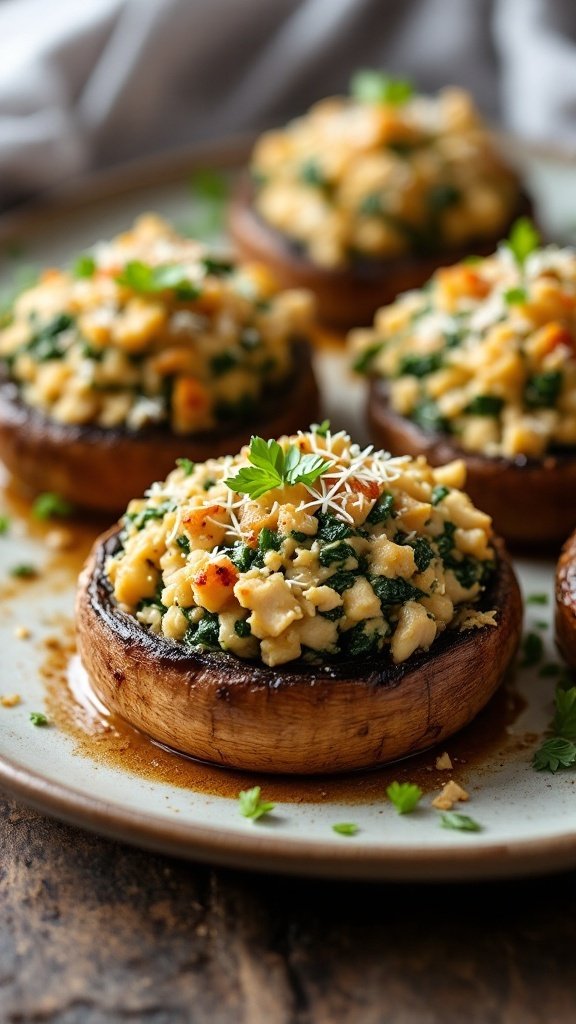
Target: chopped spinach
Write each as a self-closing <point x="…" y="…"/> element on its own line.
<point x="382" y="509"/>
<point x="330" y="528"/>
<point x="394" y="590"/>
<point x="542" y="390"/>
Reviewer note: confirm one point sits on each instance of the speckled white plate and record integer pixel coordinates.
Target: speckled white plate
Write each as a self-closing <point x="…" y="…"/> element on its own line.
<point x="528" y="819"/>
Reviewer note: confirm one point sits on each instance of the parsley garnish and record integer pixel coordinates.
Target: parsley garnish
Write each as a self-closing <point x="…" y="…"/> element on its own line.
<point x="251" y="805"/>
<point x="439" y="493"/>
<point x="321" y="428"/>
<point x="272" y="467"/>
<point x="38" y="718"/>
<point x="553" y="754"/>
<point x="364" y="361"/>
<point x="532" y="649"/>
<point x="542" y="389"/>
<point x="376" y="87"/>
<point x="51" y="506"/>
<point x="515" y="296"/>
<point x="560" y="749"/>
<point x="84" y="266"/>
<point x="4" y="524"/>
<point x="24" y="571"/>
<point x="186" y="465"/>
<point x="404" y="796"/>
<point x="537" y="599"/>
<point x="210" y="190"/>
<point x="485" y="405"/>
<point x="523" y="239"/>
<point x="148" y="280"/>
<point x="460" y="822"/>
<point x="345" y="828"/>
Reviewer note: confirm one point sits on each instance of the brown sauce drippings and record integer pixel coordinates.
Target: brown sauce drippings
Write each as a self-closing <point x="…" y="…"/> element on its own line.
<point x="107" y="739"/>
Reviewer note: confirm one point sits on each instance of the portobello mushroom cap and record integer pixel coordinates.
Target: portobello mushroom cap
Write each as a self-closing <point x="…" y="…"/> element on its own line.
<point x="103" y="468"/>
<point x="347" y="296"/>
<point x="298" y="718"/>
<point x="566" y="601"/>
<point x="531" y="501"/>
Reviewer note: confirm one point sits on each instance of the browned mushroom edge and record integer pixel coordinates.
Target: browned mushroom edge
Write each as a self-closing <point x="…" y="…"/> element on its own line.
<point x="102" y="469"/>
<point x="349" y="296"/>
<point x="300" y="718"/>
<point x="566" y="601"/>
<point x="531" y="501"/>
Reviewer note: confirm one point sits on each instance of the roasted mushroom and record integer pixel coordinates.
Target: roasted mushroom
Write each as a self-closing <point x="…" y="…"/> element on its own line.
<point x="334" y="621"/>
<point x="150" y="349"/>
<point x="365" y="196"/>
<point x="481" y="366"/>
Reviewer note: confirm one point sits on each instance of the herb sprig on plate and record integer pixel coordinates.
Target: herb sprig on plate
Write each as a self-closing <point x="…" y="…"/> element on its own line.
<point x="271" y="467"/>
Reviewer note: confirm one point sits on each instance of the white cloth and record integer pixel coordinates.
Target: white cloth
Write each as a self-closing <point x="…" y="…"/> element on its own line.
<point x="88" y="83"/>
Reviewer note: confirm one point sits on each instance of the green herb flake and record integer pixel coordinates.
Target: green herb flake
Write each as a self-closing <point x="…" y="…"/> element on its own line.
<point x="553" y="754"/>
<point x="321" y="429"/>
<point x="485" y="405"/>
<point x="251" y="804"/>
<point x="363" y="363"/>
<point x="345" y="828"/>
<point x="4" y="524"/>
<point x="420" y="366"/>
<point x="532" y="649"/>
<point x="404" y="795"/>
<point x="564" y="724"/>
<point x="439" y="493"/>
<point x="84" y="266"/>
<point x="51" y="506"/>
<point x="382" y="509"/>
<point x="186" y="465"/>
<point x="147" y="280"/>
<point x="38" y="718"/>
<point x="537" y="599"/>
<point x="375" y="87"/>
<point x="459" y="822"/>
<point x="272" y="467"/>
<point x="543" y="389"/>
<point x="24" y="571"/>
<point x="210" y="191"/>
<point x="242" y="628"/>
<point x="523" y="240"/>
<point x="515" y="296"/>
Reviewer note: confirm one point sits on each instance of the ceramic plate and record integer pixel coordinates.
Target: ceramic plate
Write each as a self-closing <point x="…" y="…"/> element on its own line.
<point x="89" y="769"/>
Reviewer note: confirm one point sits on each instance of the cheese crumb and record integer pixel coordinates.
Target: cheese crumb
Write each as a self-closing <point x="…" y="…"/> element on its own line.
<point x="11" y="700"/>
<point x="450" y="794"/>
<point x="60" y="539"/>
<point x="444" y="763"/>
<point x="22" y="632"/>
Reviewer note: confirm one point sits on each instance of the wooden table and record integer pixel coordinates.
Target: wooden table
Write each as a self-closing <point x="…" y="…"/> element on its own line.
<point x="95" y="932"/>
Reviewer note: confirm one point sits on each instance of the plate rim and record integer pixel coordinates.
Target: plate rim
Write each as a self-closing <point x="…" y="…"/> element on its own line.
<point x="276" y="853"/>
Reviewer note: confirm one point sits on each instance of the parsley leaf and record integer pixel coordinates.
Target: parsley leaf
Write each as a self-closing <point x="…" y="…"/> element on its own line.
<point x="515" y="296"/>
<point x="345" y="828"/>
<point x="554" y="753"/>
<point x="321" y="428"/>
<point x="24" y="571"/>
<point x="251" y="804"/>
<point x="404" y="796"/>
<point x="439" y="493"/>
<point x="148" y="280"/>
<point x="460" y="822"/>
<point x="4" y="524"/>
<point x="532" y="649"/>
<point x="376" y="87"/>
<point x="523" y="239"/>
<point x="564" y="724"/>
<point x="38" y="718"/>
<point x="186" y="465"/>
<point x="537" y="599"/>
<point x="272" y="467"/>
<point x="51" y="506"/>
<point x="84" y="266"/>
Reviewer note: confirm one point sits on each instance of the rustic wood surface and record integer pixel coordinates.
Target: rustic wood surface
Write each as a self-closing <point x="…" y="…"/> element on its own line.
<point x="93" y="931"/>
